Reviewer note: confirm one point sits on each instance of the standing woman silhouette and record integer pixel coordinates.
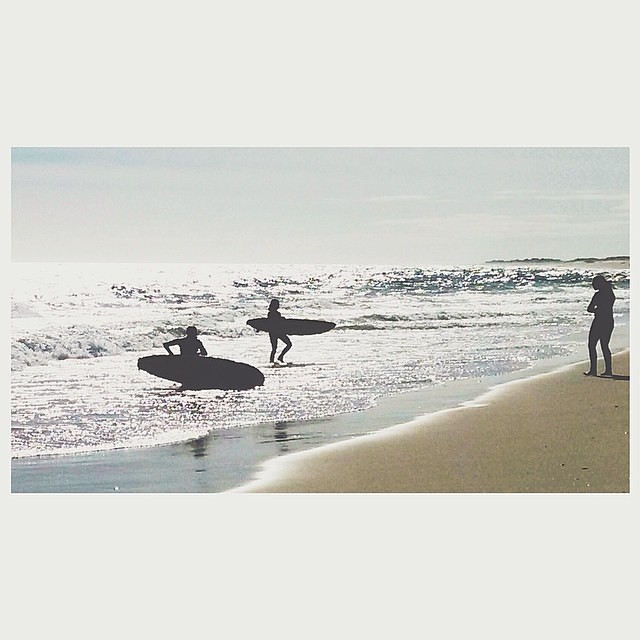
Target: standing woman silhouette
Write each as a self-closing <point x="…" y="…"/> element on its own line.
<point x="602" y="325"/>
<point x="277" y="332"/>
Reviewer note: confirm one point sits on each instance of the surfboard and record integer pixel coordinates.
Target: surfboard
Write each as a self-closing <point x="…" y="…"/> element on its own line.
<point x="292" y="326"/>
<point x="203" y="372"/>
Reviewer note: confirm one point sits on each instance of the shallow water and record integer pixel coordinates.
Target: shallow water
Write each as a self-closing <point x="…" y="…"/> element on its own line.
<point x="77" y="331"/>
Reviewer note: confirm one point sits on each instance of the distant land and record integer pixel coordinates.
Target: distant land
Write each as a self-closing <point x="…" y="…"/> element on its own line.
<point x="556" y="260"/>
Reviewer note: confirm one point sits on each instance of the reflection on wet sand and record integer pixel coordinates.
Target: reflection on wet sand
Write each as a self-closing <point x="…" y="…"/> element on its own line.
<point x="281" y="436"/>
<point x="199" y="447"/>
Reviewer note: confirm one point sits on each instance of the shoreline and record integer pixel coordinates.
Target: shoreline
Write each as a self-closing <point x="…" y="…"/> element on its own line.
<point x="613" y="262"/>
<point x="537" y="434"/>
<point x="229" y="459"/>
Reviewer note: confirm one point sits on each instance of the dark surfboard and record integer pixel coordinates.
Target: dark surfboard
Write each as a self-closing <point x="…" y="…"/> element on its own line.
<point x="200" y="372"/>
<point x="291" y="326"/>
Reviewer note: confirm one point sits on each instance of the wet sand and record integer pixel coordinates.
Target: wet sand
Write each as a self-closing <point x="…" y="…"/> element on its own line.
<point x="558" y="432"/>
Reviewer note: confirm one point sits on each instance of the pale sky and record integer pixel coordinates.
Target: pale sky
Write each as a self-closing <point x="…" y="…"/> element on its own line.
<point x="409" y="206"/>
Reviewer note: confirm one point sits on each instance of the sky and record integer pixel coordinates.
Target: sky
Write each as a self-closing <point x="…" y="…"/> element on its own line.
<point x="362" y="205"/>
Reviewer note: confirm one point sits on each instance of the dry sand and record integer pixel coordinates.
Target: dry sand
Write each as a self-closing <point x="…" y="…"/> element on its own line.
<point x="559" y="432"/>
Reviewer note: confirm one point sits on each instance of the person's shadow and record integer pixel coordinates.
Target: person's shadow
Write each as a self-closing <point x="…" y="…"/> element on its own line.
<point x="615" y="377"/>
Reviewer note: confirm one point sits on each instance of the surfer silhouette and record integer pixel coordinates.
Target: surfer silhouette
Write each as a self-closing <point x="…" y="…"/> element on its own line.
<point x="189" y="346"/>
<point x="277" y="332"/>
<point x="601" y="306"/>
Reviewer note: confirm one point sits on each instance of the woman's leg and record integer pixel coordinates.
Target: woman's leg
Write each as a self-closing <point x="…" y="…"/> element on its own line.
<point x="593" y="356"/>
<point x="274" y="346"/>
<point x="606" y="352"/>
<point x="287" y="342"/>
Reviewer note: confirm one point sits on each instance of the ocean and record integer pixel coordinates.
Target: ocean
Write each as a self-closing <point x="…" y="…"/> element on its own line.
<point x="77" y="331"/>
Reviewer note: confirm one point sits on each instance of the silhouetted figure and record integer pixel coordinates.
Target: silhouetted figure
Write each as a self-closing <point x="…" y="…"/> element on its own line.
<point x="277" y="333"/>
<point x="189" y="346"/>
<point x="602" y="325"/>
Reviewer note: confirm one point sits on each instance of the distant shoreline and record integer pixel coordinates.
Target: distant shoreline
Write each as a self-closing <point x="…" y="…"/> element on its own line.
<point x="620" y="259"/>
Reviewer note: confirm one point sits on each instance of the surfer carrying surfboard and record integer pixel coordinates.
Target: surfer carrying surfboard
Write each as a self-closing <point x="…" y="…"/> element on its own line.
<point x="276" y="332"/>
<point x="189" y="346"/>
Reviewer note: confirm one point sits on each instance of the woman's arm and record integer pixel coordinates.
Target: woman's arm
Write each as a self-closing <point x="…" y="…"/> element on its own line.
<point x="170" y="343"/>
<point x="592" y="305"/>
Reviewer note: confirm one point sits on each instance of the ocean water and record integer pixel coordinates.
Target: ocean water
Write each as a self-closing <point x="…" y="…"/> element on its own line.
<point x="78" y="330"/>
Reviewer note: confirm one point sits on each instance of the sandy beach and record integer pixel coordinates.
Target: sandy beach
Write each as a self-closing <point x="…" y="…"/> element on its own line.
<point x="558" y="432"/>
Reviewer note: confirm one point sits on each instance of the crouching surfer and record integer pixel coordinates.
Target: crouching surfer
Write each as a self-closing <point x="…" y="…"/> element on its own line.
<point x="277" y="331"/>
<point x="189" y="346"/>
